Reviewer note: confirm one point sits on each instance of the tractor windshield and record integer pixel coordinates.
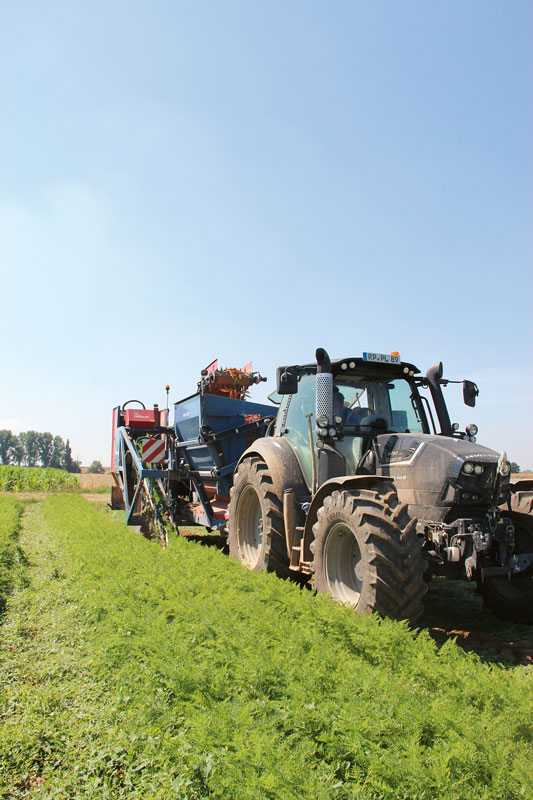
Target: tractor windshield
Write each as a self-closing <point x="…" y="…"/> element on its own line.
<point x="366" y="406"/>
<point x="373" y="405"/>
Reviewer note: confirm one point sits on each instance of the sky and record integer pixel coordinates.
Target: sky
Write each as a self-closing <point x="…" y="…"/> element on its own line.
<point x="184" y="181"/>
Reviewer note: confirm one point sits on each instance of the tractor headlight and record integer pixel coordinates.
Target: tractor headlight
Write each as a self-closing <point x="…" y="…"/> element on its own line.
<point x="505" y="468"/>
<point x="322" y="421"/>
<point x="472" y="430"/>
<point x="468" y="468"/>
<point x="478" y="469"/>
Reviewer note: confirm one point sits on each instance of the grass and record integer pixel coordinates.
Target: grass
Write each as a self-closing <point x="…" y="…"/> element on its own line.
<point x="31" y="479"/>
<point x="133" y="672"/>
<point x="10" y="511"/>
<point x="95" y="489"/>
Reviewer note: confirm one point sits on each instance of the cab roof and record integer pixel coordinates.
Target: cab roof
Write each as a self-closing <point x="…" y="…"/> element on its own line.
<point x="359" y="367"/>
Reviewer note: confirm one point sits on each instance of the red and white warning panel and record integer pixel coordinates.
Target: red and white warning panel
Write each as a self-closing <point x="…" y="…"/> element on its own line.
<point x="153" y="451"/>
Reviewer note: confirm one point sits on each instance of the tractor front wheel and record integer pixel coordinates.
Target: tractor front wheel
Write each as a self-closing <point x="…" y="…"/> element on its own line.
<point x="256" y="534"/>
<point x="367" y="554"/>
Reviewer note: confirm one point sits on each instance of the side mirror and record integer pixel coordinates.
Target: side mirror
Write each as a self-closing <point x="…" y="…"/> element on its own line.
<point x="287" y="380"/>
<point x="470" y="392"/>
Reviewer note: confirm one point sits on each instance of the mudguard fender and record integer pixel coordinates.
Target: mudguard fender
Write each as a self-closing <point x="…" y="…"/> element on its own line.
<point x="521" y="497"/>
<point x="282" y="464"/>
<point x="347" y="482"/>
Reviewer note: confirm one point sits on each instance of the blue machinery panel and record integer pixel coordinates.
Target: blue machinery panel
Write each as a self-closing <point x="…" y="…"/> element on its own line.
<point x="212" y="432"/>
<point x="197" y="418"/>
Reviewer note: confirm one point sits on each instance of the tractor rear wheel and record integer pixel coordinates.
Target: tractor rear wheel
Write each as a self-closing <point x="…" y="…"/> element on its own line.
<point x="367" y="554"/>
<point x="512" y="599"/>
<point x="255" y="520"/>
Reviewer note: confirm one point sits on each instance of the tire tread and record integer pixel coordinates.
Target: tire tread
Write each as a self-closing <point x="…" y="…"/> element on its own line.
<point x="253" y="471"/>
<point x="394" y="584"/>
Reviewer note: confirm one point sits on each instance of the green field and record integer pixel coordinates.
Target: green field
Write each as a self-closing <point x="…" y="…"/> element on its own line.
<point x="32" y="479"/>
<point x="128" y="671"/>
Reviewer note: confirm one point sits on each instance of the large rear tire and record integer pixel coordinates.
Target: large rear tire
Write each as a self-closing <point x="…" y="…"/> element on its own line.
<point x="367" y="554"/>
<point x="512" y="599"/>
<point x="256" y="535"/>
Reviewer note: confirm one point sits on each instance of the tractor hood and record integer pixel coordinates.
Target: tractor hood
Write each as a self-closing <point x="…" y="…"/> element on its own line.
<point x="429" y="475"/>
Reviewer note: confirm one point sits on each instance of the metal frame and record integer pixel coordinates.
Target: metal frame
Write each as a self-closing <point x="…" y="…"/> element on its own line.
<point x="148" y="479"/>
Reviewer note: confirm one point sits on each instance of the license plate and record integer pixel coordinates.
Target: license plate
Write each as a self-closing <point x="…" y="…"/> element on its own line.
<point x="382" y="358"/>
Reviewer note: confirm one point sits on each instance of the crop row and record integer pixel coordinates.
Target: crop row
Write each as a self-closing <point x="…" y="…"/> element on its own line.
<point x="10" y="511"/>
<point x="179" y="674"/>
<point x="29" y="479"/>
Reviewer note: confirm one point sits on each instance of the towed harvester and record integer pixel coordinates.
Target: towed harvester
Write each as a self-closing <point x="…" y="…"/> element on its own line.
<point x="357" y="480"/>
<point x="184" y="473"/>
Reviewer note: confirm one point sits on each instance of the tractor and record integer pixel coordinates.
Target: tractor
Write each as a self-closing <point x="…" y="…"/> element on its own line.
<point x="357" y="487"/>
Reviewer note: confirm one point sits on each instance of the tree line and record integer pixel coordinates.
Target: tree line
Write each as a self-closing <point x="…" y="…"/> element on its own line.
<point x="34" y="449"/>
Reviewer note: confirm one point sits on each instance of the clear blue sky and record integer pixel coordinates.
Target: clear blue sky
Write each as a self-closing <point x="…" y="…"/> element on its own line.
<point x="250" y="180"/>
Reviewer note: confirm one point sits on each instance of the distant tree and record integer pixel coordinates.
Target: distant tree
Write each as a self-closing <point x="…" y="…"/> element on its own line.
<point x="68" y="463"/>
<point x="32" y="448"/>
<point x="514" y="467"/>
<point x="76" y="466"/>
<point x="7" y="441"/>
<point x="58" y="453"/>
<point x="96" y="468"/>
<point x="45" y="444"/>
<point x="30" y="442"/>
<point x="17" y="451"/>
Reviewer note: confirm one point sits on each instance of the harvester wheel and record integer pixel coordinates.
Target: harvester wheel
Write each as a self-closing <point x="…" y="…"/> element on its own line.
<point x="255" y="520"/>
<point x="367" y="554"/>
<point x="117" y="500"/>
<point x="512" y="599"/>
